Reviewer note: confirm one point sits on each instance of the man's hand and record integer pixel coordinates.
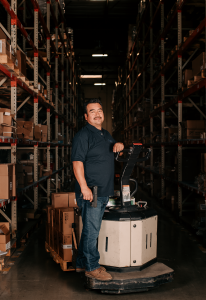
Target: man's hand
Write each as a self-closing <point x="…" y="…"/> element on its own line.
<point x="87" y="194"/>
<point x="118" y="147"/>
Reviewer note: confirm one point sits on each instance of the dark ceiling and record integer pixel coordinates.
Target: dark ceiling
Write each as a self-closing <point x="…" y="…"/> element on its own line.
<point x="101" y="27"/>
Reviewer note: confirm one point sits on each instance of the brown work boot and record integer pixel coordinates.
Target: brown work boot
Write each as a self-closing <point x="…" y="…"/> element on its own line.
<point x="78" y="270"/>
<point x="99" y="274"/>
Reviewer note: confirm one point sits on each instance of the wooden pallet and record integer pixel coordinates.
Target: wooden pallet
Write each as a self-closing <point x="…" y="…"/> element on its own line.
<point x="64" y="265"/>
<point x="1" y="264"/>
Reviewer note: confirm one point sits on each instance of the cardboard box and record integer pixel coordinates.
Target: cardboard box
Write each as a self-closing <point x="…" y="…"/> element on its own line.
<point x="40" y="170"/>
<point x="29" y="172"/>
<point x="66" y="221"/>
<point x="48" y="233"/>
<point x="6" y="179"/>
<point x="6" y="224"/>
<point x="68" y="199"/>
<point x="13" y="180"/>
<point x="37" y="132"/>
<point x="5" y="47"/>
<point x="56" y="241"/>
<point x="4" y="234"/>
<point x="46" y="172"/>
<point x="78" y="225"/>
<point x="198" y="64"/>
<point x="29" y="126"/>
<point x="6" y="130"/>
<point x="6" y="118"/>
<point x="65" y="247"/>
<point x="60" y="200"/>
<point x="49" y="207"/>
<point x="57" y="216"/>
<point x="52" y="217"/>
<point x="51" y="242"/>
<point x="72" y="200"/>
<point x="21" y="58"/>
<point x="194" y="124"/>
<point x="192" y="133"/>
<point x="5" y="247"/>
<point x="171" y="131"/>
<point x="2" y="34"/>
<point x="187" y="75"/>
<point x="193" y="128"/>
<point x="44" y="133"/>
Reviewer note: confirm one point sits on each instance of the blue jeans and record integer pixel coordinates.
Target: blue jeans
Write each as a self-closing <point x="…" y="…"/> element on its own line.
<point x="88" y="254"/>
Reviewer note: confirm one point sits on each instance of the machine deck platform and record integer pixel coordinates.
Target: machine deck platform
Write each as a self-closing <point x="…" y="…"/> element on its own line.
<point x="131" y="282"/>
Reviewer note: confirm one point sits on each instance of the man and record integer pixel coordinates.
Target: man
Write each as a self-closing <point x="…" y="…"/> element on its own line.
<point x="93" y="164"/>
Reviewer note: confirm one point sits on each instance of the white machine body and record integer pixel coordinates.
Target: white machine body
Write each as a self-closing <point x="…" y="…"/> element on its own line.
<point x="128" y="243"/>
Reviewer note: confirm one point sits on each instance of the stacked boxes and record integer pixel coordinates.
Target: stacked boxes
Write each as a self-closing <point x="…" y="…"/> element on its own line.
<point x="21" y="61"/>
<point x="198" y="64"/>
<point x="25" y="129"/>
<point x="60" y="220"/>
<point x="4" y="237"/>
<point x="193" y="129"/>
<point x="40" y="133"/>
<point x="7" y="181"/>
<point x="6" y="122"/>
<point x="25" y="174"/>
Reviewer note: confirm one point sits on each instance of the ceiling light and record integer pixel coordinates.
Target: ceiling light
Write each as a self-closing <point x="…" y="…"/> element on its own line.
<point x="91" y="76"/>
<point x="99" y="83"/>
<point x="99" y="55"/>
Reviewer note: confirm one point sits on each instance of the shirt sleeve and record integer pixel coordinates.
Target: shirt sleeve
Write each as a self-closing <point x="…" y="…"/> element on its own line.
<point x="79" y="147"/>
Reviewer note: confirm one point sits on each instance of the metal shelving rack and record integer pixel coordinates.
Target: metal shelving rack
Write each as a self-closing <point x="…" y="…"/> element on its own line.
<point x="141" y="69"/>
<point x="66" y="91"/>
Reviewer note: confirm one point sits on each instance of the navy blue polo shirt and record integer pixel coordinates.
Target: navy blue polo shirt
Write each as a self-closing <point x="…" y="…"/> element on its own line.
<point x="94" y="148"/>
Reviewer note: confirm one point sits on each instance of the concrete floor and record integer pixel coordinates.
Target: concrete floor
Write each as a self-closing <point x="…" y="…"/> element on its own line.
<point x="35" y="276"/>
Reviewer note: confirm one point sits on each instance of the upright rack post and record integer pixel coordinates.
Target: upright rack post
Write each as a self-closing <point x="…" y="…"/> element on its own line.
<point x="48" y="109"/>
<point x="127" y="106"/>
<point x="67" y="111"/>
<point x="130" y="85"/>
<point x="73" y="98"/>
<point x="162" y="103"/>
<point x="132" y="94"/>
<point x="70" y="101"/>
<point x="137" y="95"/>
<point x="14" y="111"/>
<point x="36" y="29"/>
<point x="143" y="78"/>
<point x="62" y="88"/>
<point x="24" y="20"/>
<point x="179" y="40"/>
<point x="151" y="101"/>
<point x="56" y="93"/>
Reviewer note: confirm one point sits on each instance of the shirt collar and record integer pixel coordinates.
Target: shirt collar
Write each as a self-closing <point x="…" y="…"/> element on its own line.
<point x="94" y="129"/>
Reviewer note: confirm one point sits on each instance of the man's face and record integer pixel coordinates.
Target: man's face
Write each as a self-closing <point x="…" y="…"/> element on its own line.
<point x="95" y="115"/>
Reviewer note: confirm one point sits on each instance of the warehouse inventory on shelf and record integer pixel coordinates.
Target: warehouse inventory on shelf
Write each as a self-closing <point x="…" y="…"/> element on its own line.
<point x="161" y="98"/>
<point x="37" y="111"/>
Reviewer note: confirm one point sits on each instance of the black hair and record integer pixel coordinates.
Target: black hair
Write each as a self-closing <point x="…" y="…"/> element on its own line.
<point x="91" y="101"/>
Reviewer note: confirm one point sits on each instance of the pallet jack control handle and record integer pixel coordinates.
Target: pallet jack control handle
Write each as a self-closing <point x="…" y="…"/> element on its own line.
<point x="130" y="161"/>
<point x="142" y="202"/>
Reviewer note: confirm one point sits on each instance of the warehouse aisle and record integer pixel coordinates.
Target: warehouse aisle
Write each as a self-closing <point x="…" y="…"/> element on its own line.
<point x="35" y="275"/>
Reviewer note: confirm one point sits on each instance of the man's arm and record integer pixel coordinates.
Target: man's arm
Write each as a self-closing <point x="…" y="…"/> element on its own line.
<point x="78" y="168"/>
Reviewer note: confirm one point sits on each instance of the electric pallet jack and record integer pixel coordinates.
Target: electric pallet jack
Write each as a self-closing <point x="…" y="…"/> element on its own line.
<point x="127" y="240"/>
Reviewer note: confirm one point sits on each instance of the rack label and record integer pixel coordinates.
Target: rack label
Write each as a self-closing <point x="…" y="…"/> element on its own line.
<point x="0" y="46"/>
<point x="126" y="193"/>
